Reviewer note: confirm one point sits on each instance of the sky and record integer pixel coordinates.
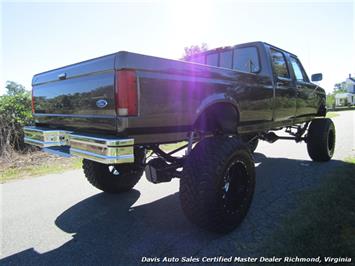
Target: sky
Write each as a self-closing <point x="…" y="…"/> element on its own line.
<point x="39" y="36"/>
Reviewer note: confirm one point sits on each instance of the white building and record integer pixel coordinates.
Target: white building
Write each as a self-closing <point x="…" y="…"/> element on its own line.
<point x="346" y="98"/>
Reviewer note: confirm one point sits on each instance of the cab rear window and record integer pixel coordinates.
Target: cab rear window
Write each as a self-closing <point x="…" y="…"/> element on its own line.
<point x="244" y="59"/>
<point x="198" y="59"/>
<point x="226" y="59"/>
<point x="212" y="59"/>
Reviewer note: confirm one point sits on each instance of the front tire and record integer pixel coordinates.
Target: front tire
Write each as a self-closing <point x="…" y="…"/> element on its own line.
<point x="116" y="178"/>
<point x="321" y="139"/>
<point x="218" y="183"/>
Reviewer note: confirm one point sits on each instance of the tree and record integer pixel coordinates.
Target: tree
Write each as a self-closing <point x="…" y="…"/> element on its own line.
<point x="340" y="87"/>
<point x="330" y="101"/>
<point x="13" y="88"/>
<point x="15" y="112"/>
<point x="194" y="49"/>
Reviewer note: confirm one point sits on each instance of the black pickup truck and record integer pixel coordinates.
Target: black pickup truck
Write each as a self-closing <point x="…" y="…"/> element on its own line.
<point x="115" y="111"/>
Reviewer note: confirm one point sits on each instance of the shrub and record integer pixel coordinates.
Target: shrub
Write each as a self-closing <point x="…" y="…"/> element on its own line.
<point x="330" y="101"/>
<point x="15" y="112"/>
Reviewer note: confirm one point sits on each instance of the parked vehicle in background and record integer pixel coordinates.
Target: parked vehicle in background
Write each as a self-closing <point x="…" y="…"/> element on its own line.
<point x="113" y="109"/>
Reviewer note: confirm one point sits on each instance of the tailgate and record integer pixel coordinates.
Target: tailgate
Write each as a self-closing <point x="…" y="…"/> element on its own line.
<point x="79" y="96"/>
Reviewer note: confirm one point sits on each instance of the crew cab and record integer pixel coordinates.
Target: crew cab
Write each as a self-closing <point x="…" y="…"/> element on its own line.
<point x="113" y="110"/>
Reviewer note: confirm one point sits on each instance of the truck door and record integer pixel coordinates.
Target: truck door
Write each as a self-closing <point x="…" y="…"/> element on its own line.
<point x="306" y="96"/>
<point x="285" y="91"/>
<point x="254" y="91"/>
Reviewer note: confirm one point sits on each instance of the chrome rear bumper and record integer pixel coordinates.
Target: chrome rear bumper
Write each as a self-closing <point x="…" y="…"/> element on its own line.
<point x="42" y="137"/>
<point x="103" y="149"/>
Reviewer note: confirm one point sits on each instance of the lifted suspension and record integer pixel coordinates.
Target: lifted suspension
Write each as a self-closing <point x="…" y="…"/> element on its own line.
<point x="165" y="166"/>
<point x="296" y="132"/>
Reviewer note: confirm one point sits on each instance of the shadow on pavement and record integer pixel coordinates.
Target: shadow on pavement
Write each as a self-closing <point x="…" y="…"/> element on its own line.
<point x="107" y="230"/>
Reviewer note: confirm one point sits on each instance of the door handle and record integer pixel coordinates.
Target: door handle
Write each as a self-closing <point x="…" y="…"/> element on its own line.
<point x="279" y="84"/>
<point x="62" y="76"/>
<point x="298" y="87"/>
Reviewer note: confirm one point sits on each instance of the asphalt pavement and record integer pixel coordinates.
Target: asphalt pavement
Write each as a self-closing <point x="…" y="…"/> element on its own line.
<point x="60" y="219"/>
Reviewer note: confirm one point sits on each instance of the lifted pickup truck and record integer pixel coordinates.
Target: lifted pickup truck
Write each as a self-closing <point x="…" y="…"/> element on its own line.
<point x="115" y="110"/>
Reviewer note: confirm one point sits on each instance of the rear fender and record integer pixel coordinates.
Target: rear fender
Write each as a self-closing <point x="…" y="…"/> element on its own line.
<point x="217" y="113"/>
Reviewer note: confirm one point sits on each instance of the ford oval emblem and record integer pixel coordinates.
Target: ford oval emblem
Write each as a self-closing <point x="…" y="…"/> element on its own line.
<point x="101" y="103"/>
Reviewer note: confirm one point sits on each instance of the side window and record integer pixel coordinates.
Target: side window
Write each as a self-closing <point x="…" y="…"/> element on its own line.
<point x="212" y="59"/>
<point x="246" y="59"/>
<point x="297" y="69"/>
<point x="225" y="59"/>
<point x="279" y="64"/>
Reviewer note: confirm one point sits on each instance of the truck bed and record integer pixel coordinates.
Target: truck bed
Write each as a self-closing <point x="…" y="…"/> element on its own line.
<point x="171" y="95"/>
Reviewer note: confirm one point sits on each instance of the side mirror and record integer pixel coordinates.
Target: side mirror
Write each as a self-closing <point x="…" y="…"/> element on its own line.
<point x="317" y="77"/>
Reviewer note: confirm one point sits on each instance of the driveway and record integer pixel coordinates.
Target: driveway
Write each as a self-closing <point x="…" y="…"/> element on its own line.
<point x="62" y="220"/>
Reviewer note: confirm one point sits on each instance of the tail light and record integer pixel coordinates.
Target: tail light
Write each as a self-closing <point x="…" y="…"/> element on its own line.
<point x="126" y="93"/>
<point x="33" y="103"/>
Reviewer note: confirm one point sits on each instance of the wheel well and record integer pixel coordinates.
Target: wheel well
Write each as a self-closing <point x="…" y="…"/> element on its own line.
<point x="219" y="117"/>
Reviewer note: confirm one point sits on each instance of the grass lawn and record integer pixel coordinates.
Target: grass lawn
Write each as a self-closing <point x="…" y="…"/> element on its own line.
<point x="39" y="163"/>
<point x="332" y="114"/>
<point x="173" y="146"/>
<point x="324" y="224"/>
<point x="36" y="165"/>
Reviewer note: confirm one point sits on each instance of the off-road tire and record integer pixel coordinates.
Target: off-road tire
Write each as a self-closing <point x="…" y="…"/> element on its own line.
<point x="204" y="197"/>
<point x="321" y="139"/>
<point x="113" y="178"/>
